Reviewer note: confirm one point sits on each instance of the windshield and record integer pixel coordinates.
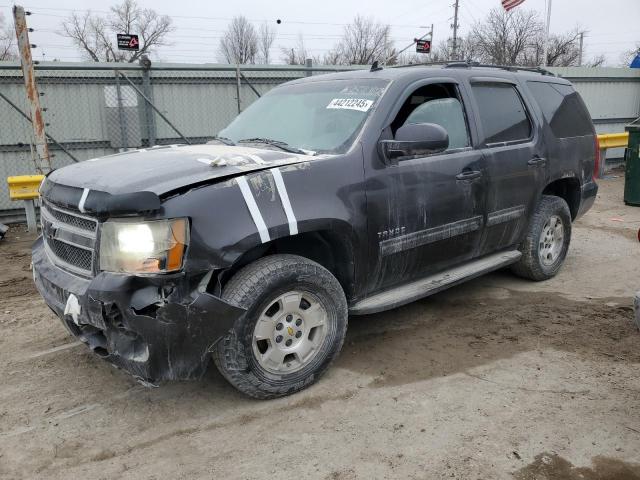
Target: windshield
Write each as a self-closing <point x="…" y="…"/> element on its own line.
<point x="324" y="116"/>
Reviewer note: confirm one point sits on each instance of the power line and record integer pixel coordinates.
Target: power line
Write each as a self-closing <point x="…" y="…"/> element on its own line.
<point x="203" y="17"/>
<point x="294" y="36"/>
<point x="414" y="11"/>
<point x="468" y="10"/>
<point x="478" y="9"/>
<point x="284" y="38"/>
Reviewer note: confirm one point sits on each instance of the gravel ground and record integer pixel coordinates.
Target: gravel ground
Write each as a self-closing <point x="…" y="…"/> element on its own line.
<point x="499" y="378"/>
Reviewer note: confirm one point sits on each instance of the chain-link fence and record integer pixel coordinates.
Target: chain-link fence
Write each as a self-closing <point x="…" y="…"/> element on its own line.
<point x="93" y="110"/>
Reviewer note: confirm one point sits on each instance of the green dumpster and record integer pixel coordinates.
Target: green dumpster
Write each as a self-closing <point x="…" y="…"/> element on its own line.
<point x="632" y="169"/>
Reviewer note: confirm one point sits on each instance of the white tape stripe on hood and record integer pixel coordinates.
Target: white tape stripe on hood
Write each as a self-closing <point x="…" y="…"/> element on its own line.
<point x="83" y="199"/>
<point x="284" y="198"/>
<point x="263" y="231"/>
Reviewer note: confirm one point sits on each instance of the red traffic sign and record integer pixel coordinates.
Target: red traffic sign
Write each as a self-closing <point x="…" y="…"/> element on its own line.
<point x="423" y="46"/>
<point x="127" y="41"/>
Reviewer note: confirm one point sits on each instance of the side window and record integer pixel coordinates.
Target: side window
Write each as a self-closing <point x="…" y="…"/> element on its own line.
<point x="502" y="113"/>
<point x="562" y="108"/>
<point x="446" y="112"/>
<point x="439" y="104"/>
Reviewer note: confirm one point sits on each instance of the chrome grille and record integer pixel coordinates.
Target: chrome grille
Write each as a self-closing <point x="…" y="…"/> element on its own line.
<point x="71" y="254"/>
<point x="73" y="220"/>
<point x="70" y="238"/>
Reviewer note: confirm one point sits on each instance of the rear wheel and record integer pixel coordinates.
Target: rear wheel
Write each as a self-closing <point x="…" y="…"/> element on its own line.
<point x="547" y="242"/>
<point x="294" y="327"/>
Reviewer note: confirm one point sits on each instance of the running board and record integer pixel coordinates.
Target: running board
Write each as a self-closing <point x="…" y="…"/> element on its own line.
<point x="435" y="283"/>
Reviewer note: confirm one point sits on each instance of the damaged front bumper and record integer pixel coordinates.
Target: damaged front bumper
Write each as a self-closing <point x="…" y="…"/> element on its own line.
<point x="156" y="328"/>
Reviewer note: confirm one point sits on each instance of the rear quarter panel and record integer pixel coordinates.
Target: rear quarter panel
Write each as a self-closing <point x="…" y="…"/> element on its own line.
<point x="570" y="157"/>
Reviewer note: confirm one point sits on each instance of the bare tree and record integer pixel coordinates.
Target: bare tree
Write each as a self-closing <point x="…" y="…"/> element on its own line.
<point x="503" y="38"/>
<point x="332" y="57"/>
<point x="563" y="50"/>
<point x="517" y="38"/>
<point x="8" y="50"/>
<point x="466" y="49"/>
<point x="597" y="61"/>
<point x="266" y="37"/>
<point x="95" y="35"/>
<point x="363" y="42"/>
<point x="296" y="55"/>
<point x="627" y="57"/>
<point x="511" y="38"/>
<point x="239" y="43"/>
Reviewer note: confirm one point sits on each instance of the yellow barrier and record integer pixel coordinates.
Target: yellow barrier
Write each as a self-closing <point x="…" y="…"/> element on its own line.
<point x="613" y="140"/>
<point x="24" y="187"/>
<point x="610" y="140"/>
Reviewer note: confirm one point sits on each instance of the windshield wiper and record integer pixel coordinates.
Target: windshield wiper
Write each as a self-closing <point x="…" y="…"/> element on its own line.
<point x="276" y="143"/>
<point x="225" y="140"/>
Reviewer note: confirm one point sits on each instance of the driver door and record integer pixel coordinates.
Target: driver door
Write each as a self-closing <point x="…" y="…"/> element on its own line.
<point x="426" y="214"/>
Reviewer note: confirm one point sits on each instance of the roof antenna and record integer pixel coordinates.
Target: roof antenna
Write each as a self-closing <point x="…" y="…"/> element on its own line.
<point x="375" y="67"/>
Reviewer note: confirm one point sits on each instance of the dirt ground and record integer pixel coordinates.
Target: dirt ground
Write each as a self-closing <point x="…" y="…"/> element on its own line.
<point x="499" y="378"/>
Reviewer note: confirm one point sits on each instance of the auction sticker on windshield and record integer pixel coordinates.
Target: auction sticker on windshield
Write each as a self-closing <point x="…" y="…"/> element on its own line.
<point x="360" y="104"/>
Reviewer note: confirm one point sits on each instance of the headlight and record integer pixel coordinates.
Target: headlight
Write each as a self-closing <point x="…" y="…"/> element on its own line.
<point x="156" y="246"/>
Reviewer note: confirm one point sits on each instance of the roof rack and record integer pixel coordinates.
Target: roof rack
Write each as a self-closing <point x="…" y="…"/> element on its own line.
<point x="422" y="64"/>
<point x="470" y="64"/>
<point x="510" y="68"/>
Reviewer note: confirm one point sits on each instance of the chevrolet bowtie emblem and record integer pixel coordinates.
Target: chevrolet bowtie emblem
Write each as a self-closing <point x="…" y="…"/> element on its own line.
<point x="290" y="331"/>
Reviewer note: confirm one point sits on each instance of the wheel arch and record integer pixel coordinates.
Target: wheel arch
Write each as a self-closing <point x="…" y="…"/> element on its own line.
<point x="568" y="189"/>
<point x="332" y="248"/>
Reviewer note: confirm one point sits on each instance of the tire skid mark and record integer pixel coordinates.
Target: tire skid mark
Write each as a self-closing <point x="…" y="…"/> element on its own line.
<point x="310" y="402"/>
<point x="59" y="348"/>
<point x="72" y="412"/>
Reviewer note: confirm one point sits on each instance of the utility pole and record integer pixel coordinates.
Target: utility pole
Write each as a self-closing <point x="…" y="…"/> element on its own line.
<point x="43" y="162"/>
<point x="581" y="43"/>
<point x="431" y="51"/>
<point x="545" y="47"/>
<point x="454" y="43"/>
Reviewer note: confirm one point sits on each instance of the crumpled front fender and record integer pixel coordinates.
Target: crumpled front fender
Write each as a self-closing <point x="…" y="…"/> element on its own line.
<point x="156" y="328"/>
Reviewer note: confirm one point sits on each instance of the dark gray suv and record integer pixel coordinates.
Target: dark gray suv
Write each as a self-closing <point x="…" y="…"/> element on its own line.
<point x="344" y="193"/>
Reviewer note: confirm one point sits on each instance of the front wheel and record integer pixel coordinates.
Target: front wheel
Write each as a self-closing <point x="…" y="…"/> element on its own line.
<point x="293" y="329"/>
<point x="547" y="242"/>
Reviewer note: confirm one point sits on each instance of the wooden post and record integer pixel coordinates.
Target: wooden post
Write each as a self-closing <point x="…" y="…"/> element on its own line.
<point x="43" y="162"/>
<point x="238" y="84"/>
<point x="603" y="163"/>
<point x="30" y="212"/>
<point x="124" y="141"/>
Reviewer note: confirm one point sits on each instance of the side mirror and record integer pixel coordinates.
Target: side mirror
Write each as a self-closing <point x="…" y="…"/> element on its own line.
<point x="412" y="140"/>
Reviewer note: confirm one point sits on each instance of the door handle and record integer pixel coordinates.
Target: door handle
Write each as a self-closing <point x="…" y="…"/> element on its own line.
<point x="537" y="162"/>
<point x="468" y="175"/>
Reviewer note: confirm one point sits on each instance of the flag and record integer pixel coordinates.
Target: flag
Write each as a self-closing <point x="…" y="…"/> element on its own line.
<point x="509" y="4"/>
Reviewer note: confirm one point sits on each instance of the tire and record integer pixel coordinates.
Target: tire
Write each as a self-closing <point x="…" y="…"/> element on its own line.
<point x="538" y="262"/>
<point x="249" y="357"/>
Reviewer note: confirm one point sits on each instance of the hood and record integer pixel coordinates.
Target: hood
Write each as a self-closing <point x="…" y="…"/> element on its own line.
<point x="162" y="169"/>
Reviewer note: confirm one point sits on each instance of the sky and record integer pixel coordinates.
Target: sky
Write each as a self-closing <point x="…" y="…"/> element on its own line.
<point x="612" y="27"/>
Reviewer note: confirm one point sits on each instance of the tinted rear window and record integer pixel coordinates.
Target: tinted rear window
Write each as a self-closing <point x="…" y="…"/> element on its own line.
<point x="503" y="116"/>
<point x="562" y="108"/>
